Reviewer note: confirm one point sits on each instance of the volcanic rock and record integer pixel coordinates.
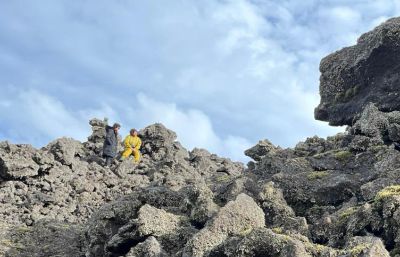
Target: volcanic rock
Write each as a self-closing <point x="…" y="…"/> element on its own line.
<point x="358" y="75"/>
<point x="327" y="197"/>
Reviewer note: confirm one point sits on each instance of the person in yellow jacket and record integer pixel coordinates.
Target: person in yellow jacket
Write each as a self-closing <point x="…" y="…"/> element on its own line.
<point x="132" y="145"/>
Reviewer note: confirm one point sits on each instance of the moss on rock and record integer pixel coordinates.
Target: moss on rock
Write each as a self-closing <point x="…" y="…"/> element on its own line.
<point x="358" y="249"/>
<point x="387" y="192"/>
<point x="343" y="155"/>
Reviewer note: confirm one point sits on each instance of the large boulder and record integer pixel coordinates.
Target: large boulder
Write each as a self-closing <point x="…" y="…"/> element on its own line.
<point x="237" y="217"/>
<point x="277" y="212"/>
<point x="119" y="225"/>
<point x="17" y="161"/>
<point x="46" y="238"/>
<point x="149" y="248"/>
<point x="156" y="222"/>
<point x="261" y="149"/>
<point x="367" y="247"/>
<point x="65" y="150"/>
<point x="208" y="164"/>
<point x="159" y="142"/>
<point x="357" y="75"/>
<point x="376" y="127"/>
<point x="264" y="242"/>
<point x="203" y="205"/>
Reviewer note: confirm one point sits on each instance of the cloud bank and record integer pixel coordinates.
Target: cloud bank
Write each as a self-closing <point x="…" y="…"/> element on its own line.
<point x="222" y="74"/>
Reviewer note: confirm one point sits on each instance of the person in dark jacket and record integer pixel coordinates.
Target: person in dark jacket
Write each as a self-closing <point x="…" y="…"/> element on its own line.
<point x="111" y="143"/>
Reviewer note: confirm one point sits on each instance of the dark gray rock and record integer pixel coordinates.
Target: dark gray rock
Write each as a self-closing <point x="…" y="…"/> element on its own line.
<point x="263" y="148"/>
<point x="237" y="217"/>
<point x="367" y="247"/>
<point x="107" y="234"/>
<point x="365" y="73"/>
<point x="262" y="242"/>
<point x="46" y="238"/>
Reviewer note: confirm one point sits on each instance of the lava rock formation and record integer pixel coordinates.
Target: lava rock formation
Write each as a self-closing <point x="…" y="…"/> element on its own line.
<point x="333" y="197"/>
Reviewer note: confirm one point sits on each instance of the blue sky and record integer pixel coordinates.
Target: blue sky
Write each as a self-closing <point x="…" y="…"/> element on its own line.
<point x="222" y="74"/>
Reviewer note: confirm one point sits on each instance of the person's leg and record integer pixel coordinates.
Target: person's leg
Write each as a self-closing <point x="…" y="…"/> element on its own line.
<point x="108" y="161"/>
<point x="136" y="154"/>
<point x="126" y="153"/>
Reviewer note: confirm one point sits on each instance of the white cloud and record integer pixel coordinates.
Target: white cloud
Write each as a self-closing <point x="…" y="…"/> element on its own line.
<point x="243" y="21"/>
<point x="38" y="118"/>
<point x="42" y="116"/>
<point x="344" y="14"/>
<point x="231" y="72"/>
<point x="193" y="127"/>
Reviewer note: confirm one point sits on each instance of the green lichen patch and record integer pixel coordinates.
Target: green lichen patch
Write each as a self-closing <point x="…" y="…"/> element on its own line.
<point x="245" y="231"/>
<point x="378" y="148"/>
<point x="343" y="155"/>
<point x="351" y="92"/>
<point x="223" y="178"/>
<point x="345" y="96"/>
<point x="387" y="192"/>
<point x="348" y="212"/>
<point x="277" y="230"/>
<point x="318" y="249"/>
<point x="358" y="249"/>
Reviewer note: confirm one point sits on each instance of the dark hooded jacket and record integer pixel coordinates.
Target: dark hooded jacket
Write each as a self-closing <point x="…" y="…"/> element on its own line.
<point x="110" y="143"/>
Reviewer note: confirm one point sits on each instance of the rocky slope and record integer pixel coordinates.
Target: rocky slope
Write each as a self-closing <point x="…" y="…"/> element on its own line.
<point x="331" y="197"/>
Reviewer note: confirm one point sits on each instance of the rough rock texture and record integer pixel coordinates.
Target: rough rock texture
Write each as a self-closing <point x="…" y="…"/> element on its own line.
<point x="5" y="242"/>
<point x="17" y="162"/>
<point x="149" y="248"/>
<point x="46" y="238"/>
<point x="333" y="197"/>
<point x="235" y="218"/>
<point x="367" y="247"/>
<point x="357" y="75"/>
<point x="262" y="242"/>
<point x="156" y="222"/>
<point x="66" y="180"/>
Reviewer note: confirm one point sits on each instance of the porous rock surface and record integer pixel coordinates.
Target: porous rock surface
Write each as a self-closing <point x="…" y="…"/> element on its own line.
<point x="326" y="197"/>
<point x="356" y="75"/>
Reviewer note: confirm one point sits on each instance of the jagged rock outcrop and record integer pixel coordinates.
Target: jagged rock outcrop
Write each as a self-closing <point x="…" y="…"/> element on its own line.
<point x="333" y="197"/>
<point x="149" y="248"/>
<point x="236" y="217"/>
<point x="16" y="162"/>
<point x="357" y="75"/>
<point x="156" y="222"/>
<point x="66" y="180"/>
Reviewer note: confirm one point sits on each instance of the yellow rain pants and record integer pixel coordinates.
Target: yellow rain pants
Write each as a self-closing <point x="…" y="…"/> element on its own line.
<point x="132" y="146"/>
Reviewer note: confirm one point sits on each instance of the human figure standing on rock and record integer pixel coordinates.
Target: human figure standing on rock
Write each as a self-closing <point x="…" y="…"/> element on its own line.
<point x="110" y="146"/>
<point x="132" y="146"/>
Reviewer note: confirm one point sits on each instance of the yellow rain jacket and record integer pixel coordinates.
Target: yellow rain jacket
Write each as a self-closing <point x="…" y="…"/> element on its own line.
<point x="132" y="142"/>
<point x="132" y="145"/>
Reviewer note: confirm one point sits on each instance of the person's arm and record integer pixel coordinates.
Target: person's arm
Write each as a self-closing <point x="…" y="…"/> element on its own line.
<point x="138" y="144"/>
<point x="126" y="143"/>
<point x="109" y="137"/>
